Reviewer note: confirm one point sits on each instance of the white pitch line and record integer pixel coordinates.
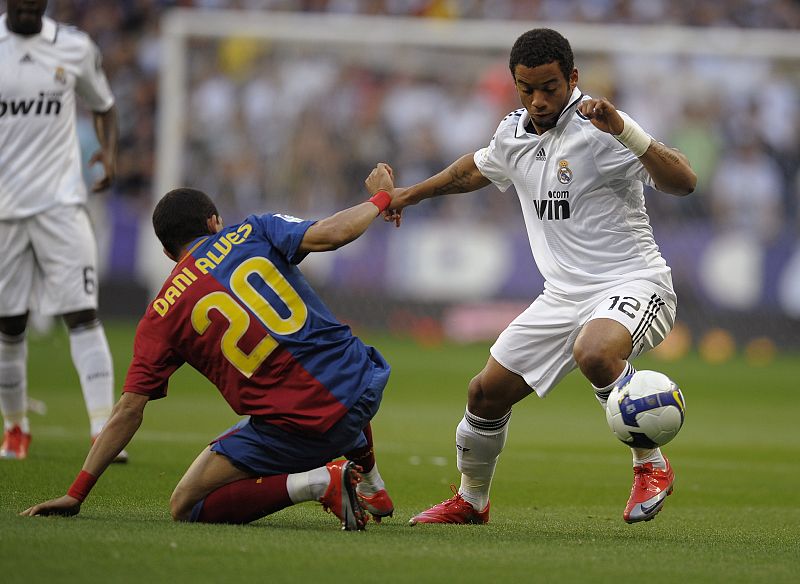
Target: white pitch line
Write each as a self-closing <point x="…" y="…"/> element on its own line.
<point x="144" y="435"/>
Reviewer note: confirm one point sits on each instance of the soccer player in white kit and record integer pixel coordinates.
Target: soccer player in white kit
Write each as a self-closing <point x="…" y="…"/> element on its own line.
<point x="578" y="166"/>
<point x="49" y="256"/>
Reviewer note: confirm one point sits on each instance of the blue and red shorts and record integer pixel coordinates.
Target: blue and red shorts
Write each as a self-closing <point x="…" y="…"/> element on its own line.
<point x="264" y="449"/>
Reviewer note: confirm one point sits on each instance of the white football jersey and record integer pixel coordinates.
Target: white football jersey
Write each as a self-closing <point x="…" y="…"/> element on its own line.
<point x="581" y="193"/>
<point x="40" y="164"/>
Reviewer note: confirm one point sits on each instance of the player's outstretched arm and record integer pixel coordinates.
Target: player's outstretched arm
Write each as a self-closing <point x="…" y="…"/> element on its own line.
<point x="669" y="169"/>
<point x="105" y="126"/>
<point x="462" y="176"/>
<point x="118" y="431"/>
<point x="345" y="226"/>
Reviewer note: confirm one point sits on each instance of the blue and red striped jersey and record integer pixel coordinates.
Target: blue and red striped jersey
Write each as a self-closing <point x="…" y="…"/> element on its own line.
<point x="237" y="309"/>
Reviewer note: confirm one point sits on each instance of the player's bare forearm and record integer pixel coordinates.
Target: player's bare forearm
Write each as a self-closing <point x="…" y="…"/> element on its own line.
<point x="339" y="229"/>
<point x="669" y="169"/>
<point x="345" y="226"/>
<point x="462" y="176"/>
<point x="106" y="128"/>
<point x="107" y="131"/>
<point x="118" y="431"/>
<point x="126" y="417"/>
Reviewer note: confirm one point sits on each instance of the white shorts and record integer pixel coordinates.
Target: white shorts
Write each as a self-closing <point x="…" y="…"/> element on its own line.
<point x="537" y="345"/>
<point x="48" y="263"/>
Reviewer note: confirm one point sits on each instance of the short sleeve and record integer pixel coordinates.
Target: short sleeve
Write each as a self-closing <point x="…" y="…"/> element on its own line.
<point x="92" y="84"/>
<point x="285" y="233"/>
<point x="153" y="362"/>
<point x="615" y="161"/>
<point x="492" y="165"/>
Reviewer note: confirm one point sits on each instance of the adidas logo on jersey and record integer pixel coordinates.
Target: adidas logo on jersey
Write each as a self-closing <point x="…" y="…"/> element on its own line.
<point x="26" y="58"/>
<point x="38" y="106"/>
<point x="555" y="208"/>
<point x="541" y="155"/>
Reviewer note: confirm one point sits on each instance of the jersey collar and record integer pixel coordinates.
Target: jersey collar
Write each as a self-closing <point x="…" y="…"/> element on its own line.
<point x="574" y="100"/>
<point x="49" y="29"/>
<point x="191" y="248"/>
<point x="565" y="114"/>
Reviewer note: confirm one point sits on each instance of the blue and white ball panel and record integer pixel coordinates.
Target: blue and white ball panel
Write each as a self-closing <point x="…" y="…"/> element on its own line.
<point x="646" y="409"/>
<point x="631" y="407"/>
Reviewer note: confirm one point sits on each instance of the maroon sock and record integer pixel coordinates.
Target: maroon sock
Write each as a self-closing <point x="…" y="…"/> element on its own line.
<point x="243" y="501"/>
<point x="364" y="457"/>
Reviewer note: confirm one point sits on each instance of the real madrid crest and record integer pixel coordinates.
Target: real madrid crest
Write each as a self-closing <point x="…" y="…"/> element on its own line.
<point x="61" y="75"/>
<point x="564" y="172"/>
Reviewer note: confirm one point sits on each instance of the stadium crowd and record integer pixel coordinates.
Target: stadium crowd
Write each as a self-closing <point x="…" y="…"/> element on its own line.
<point x="304" y="140"/>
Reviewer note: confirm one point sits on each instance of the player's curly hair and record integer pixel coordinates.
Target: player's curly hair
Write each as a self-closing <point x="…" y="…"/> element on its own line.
<point x="181" y="216"/>
<point x="541" y="46"/>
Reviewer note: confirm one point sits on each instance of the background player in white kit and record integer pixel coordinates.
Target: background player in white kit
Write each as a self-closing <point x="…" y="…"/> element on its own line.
<point x="49" y="255"/>
<point x="578" y="166"/>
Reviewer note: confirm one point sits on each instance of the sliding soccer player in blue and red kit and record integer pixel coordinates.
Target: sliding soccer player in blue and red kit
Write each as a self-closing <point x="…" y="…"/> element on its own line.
<point x="237" y="309"/>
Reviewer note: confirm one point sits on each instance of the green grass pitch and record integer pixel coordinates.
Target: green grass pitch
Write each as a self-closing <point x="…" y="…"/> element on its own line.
<point x="557" y="499"/>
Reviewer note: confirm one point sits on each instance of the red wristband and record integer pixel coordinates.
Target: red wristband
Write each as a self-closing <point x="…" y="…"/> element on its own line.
<point x="381" y="200"/>
<point x="82" y="485"/>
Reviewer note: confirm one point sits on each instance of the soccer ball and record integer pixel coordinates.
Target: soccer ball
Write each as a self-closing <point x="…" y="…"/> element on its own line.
<point x="645" y="409"/>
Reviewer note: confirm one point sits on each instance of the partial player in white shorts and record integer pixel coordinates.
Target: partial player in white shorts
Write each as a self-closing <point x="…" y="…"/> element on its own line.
<point x="49" y="263"/>
<point x="538" y="344"/>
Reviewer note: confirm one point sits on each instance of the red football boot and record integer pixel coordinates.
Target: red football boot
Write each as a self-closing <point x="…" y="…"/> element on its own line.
<point x="15" y="444"/>
<point x="340" y="497"/>
<point x="651" y="487"/>
<point x="378" y="504"/>
<point x="453" y="510"/>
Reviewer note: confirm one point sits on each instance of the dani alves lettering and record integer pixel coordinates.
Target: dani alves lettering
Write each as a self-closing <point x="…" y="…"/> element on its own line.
<point x="202" y="265"/>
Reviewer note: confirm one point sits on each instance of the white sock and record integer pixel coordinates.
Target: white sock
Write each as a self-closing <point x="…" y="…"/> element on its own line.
<point x="92" y="358"/>
<point x="602" y="393"/>
<point x="14" y="382"/>
<point x="644" y="455"/>
<point x="308" y="486"/>
<point x="479" y="443"/>
<point x="371" y="482"/>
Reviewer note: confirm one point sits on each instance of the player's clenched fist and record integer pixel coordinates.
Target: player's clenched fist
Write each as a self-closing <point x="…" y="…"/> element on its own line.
<point x="380" y="179"/>
<point x="603" y="114"/>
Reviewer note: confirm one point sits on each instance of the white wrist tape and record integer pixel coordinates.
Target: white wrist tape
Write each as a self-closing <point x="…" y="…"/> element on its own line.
<point x="634" y="137"/>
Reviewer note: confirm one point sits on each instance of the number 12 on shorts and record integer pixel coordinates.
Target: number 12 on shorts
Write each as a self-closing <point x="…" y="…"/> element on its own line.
<point x="628" y="305"/>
